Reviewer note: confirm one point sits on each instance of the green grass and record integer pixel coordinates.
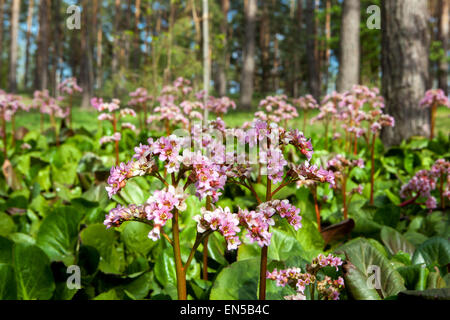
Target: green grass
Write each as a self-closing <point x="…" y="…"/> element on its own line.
<point x="87" y="118"/>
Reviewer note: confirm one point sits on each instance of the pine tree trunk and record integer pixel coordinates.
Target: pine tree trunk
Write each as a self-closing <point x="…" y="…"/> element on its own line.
<point x="444" y="35"/>
<point x="248" y="64"/>
<point x="264" y="40"/>
<point x="137" y="16"/>
<point x="12" y="79"/>
<point x="116" y="49"/>
<point x="28" y="38"/>
<point x="405" y="68"/>
<point x="43" y="44"/>
<point x="99" y="50"/>
<point x="222" y="65"/>
<point x="349" y="42"/>
<point x="313" y="71"/>
<point x="2" y="11"/>
<point x="87" y="79"/>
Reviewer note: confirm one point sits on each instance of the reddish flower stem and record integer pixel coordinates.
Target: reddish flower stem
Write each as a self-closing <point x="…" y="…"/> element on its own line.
<point x="316" y="207"/>
<point x="441" y="191"/>
<point x="344" y="195"/>
<point x="264" y="250"/>
<point x="408" y="202"/>
<point x="372" y="169"/>
<point x="433" y="119"/>
<point x="205" y="244"/>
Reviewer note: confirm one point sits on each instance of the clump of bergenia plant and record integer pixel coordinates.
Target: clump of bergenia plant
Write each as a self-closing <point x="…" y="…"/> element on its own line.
<point x="182" y="164"/>
<point x="69" y="87"/>
<point x="9" y="105"/>
<point x="175" y="107"/>
<point x="327" y="114"/>
<point x="306" y="104"/>
<point x="50" y="106"/>
<point x="308" y="281"/>
<point x="341" y="168"/>
<point x="112" y="113"/>
<point x="425" y="182"/>
<point x="432" y="100"/>
<point x="276" y="109"/>
<point x="140" y="100"/>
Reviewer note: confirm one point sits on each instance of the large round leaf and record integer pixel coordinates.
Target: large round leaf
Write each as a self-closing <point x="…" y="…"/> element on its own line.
<point x="58" y="235"/>
<point x="433" y="252"/>
<point x="105" y="241"/>
<point x="8" y="287"/>
<point x="362" y="259"/>
<point x="135" y="237"/>
<point x="395" y="242"/>
<point x="239" y="281"/>
<point x="33" y="274"/>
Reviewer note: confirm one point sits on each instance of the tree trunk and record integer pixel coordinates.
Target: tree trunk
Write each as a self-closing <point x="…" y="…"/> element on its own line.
<point x="444" y="35"/>
<point x="99" y="50"/>
<point x="349" y="44"/>
<point x="405" y="41"/>
<point x="27" y="46"/>
<point x="248" y="67"/>
<point x="2" y="5"/>
<point x="313" y="71"/>
<point x="87" y="79"/>
<point x="43" y="44"/>
<point x="12" y="79"/>
<point x="137" y="16"/>
<point x="222" y="65"/>
<point x="327" y="39"/>
<point x="264" y="40"/>
<point x="206" y="59"/>
<point x="115" y="57"/>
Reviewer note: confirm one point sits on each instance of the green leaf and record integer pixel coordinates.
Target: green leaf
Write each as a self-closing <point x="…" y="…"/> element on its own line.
<point x="388" y="215"/>
<point x="431" y="294"/>
<point x="433" y="252"/>
<point x="33" y="274"/>
<point x="395" y="242"/>
<point x="58" y="235"/>
<point x="134" y="194"/>
<point x="140" y="287"/>
<point x="104" y="240"/>
<point x="108" y="295"/>
<point x="361" y="255"/>
<point x="7" y="224"/>
<point x="135" y="237"/>
<point x="239" y="281"/>
<point x="8" y="286"/>
<point x="165" y="268"/>
<point x="6" y="247"/>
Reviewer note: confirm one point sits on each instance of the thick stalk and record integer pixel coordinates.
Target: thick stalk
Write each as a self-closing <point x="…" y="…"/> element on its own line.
<point x="344" y="194"/>
<point x="116" y="143"/>
<point x="433" y="119"/>
<point x="5" y="139"/>
<point x="180" y="272"/>
<point x="205" y="244"/>
<point x="55" y="128"/>
<point x="305" y="117"/>
<point x="316" y="206"/>
<point x="372" y="169"/>
<point x="355" y="145"/>
<point x="264" y="250"/>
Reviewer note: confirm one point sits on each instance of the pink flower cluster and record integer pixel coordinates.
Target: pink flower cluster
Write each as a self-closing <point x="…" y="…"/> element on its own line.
<point x="48" y="105"/>
<point x="308" y="175"/>
<point x="306" y="103"/>
<point x="10" y="104"/>
<point x="276" y="109"/>
<point x="139" y="97"/>
<point x="69" y="86"/>
<point x="221" y="105"/>
<point x="327" y="288"/>
<point x="435" y="96"/>
<point x="339" y="163"/>
<point x="425" y="181"/>
<point x="324" y="261"/>
<point x="257" y="222"/>
<point x="158" y="209"/>
<point x="223" y="221"/>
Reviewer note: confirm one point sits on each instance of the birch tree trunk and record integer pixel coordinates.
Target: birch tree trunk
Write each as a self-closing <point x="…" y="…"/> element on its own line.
<point x="405" y="68"/>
